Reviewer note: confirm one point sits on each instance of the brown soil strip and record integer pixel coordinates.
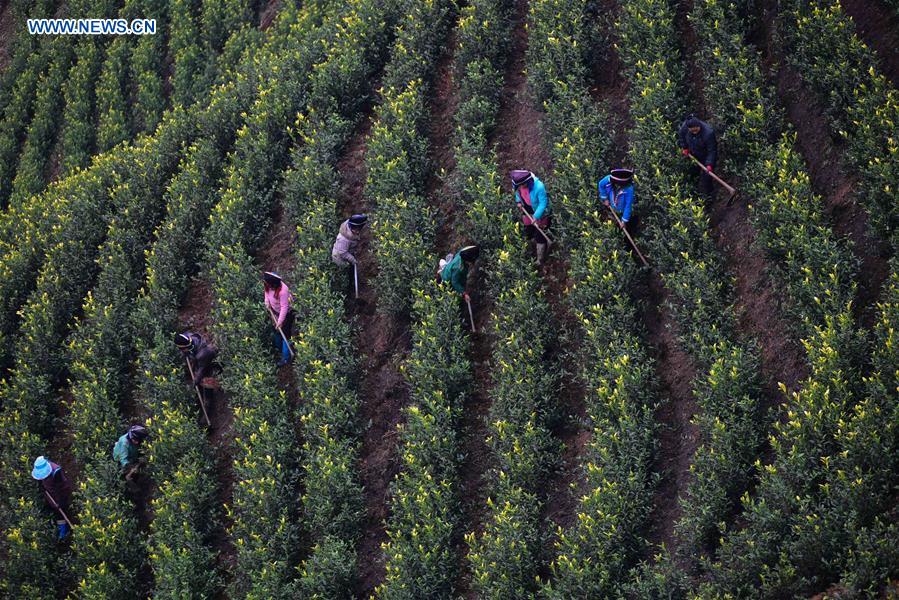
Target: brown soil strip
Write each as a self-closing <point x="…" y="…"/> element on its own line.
<point x="757" y="302"/>
<point x="675" y="369"/>
<point x="518" y="136"/>
<point x="830" y="176"/>
<point x="7" y="35"/>
<point x="678" y="438"/>
<point x="878" y="26"/>
<point x="518" y="123"/>
<point x="267" y="13"/>
<point x="194" y="315"/>
<point x="382" y="342"/>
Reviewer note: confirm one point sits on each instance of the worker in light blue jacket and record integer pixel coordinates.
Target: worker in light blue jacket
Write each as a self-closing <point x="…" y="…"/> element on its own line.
<point x="530" y="194"/>
<point x="616" y="190"/>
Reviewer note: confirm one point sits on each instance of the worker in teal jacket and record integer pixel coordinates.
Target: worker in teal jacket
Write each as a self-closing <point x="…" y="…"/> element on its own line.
<point x="530" y="194"/>
<point x="125" y="451"/>
<point x="454" y="269"/>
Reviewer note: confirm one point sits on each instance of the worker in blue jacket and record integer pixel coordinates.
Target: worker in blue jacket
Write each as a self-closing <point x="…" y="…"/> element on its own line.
<point x="616" y="191"/>
<point x="530" y="194"/>
<point x="698" y="138"/>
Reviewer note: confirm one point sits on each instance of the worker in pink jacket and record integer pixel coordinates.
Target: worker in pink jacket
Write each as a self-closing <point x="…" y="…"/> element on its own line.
<point x="277" y="302"/>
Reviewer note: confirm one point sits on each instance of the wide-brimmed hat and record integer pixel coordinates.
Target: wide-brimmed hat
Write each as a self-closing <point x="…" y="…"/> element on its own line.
<point x="622" y="175"/>
<point x="470" y="253"/>
<point x="520" y="176"/>
<point x="358" y="220"/>
<point x="42" y="468"/>
<point x="271" y="278"/>
<point x="182" y="340"/>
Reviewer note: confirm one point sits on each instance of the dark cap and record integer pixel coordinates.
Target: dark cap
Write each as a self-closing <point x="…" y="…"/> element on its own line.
<point x="470" y="253"/>
<point x="520" y="176"/>
<point x="138" y="433"/>
<point x="622" y="175"/>
<point x="182" y="340"/>
<point x="358" y="220"/>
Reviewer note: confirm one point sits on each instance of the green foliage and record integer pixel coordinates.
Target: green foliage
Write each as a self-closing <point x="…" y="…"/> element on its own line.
<point x="78" y="132"/>
<point x="113" y="114"/>
<point x="863" y="105"/>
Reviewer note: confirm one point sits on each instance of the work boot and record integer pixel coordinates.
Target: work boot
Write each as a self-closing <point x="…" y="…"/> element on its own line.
<point x="541" y="252"/>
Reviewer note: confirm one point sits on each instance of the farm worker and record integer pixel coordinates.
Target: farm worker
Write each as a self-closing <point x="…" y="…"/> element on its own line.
<point x="530" y="194"/>
<point x="616" y="191"/>
<point x="698" y="138"/>
<point x="454" y="269"/>
<point x="199" y="353"/>
<point x="277" y="302"/>
<point x="56" y="489"/>
<point x="348" y="240"/>
<point x="125" y="450"/>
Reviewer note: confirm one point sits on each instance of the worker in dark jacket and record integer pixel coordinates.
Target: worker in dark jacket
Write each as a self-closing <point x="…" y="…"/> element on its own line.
<point x="698" y="138"/>
<point x="454" y="269"/>
<point x="126" y="452"/>
<point x="199" y="352"/>
<point x="530" y="194"/>
<point x="55" y="489"/>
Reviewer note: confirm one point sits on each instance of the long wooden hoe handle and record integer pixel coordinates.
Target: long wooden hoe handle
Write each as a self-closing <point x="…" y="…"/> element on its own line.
<point x="59" y="508"/>
<point x="534" y="223"/>
<point x="283" y="337"/>
<point x="470" y="316"/>
<point x="355" y="280"/>
<point x="190" y="370"/>
<point x="628" y="235"/>
<point x="723" y="183"/>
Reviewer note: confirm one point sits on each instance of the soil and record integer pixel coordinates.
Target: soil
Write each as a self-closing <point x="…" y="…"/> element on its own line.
<point x="677" y="436"/>
<point x="830" y="176"/>
<point x="518" y="119"/>
<point x="612" y="87"/>
<point x="878" y="26"/>
<point x="382" y="341"/>
<point x="6" y="34"/>
<point x="267" y="13"/>
<point x="194" y="315"/>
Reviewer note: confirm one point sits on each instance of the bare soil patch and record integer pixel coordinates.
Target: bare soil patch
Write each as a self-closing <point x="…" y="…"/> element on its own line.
<point x="518" y="130"/>
<point x="383" y="341"/>
<point x="7" y="34"/>
<point x="678" y="438"/>
<point x="878" y="26"/>
<point x="268" y="13"/>
<point x="830" y="176"/>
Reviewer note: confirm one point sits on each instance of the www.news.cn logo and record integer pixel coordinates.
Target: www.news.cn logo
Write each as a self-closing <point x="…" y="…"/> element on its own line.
<point x="91" y="27"/>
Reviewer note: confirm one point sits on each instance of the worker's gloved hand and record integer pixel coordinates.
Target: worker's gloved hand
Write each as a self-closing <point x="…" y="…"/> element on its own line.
<point x="708" y="168"/>
<point x="685" y="151"/>
<point x="606" y="202"/>
<point x="466" y="297"/>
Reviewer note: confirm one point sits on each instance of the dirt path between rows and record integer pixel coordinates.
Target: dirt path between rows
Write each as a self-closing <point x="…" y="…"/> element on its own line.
<point x="382" y="341"/>
<point x="275" y="254"/>
<point x="830" y="176"/>
<point x="7" y="36"/>
<point x="878" y="26"/>
<point x="674" y="367"/>
<point x="520" y="145"/>
<point x="757" y="301"/>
